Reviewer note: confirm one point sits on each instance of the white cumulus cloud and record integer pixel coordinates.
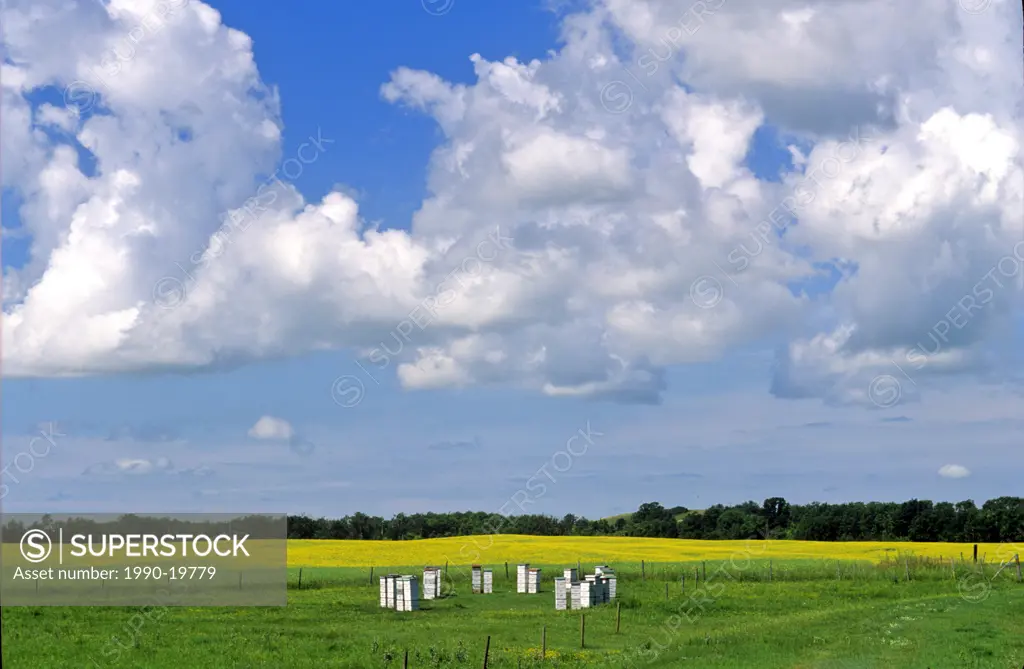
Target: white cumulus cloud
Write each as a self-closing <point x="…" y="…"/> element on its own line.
<point x="269" y="427"/>
<point x="954" y="471"/>
<point x="563" y="228"/>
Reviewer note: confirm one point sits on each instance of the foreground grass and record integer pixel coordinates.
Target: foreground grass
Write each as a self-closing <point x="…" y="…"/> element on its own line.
<point x="812" y="614"/>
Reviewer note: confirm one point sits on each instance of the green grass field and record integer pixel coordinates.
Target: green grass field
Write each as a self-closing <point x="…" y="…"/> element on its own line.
<point x="809" y="616"/>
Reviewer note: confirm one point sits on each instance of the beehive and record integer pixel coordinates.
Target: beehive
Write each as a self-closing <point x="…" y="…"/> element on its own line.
<point x="408" y="594"/>
<point x="399" y="595"/>
<point x="431" y="582"/>
<point x="574" y="596"/>
<point x="521" y="572"/>
<point x="533" y="581"/>
<point x="477" y="579"/>
<point x="560" y="593"/>
<point x="603" y="593"/>
<point x="383" y="592"/>
<point x="600" y="569"/>
<point x="488" y="581"/>
<point x="570" y="575"/>
<point x="588" y="594"/>
<point x="391" y="590"/>
<point x="611" y="585"/>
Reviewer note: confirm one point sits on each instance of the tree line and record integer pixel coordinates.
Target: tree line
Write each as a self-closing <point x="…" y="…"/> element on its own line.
<point x="997" y="520"/>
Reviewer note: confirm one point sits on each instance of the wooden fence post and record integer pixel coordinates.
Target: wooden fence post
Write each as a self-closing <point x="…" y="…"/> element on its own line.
<point x="643" y="571"/>
<point x="975" y="553"/>
<point x="300" y="578"/>
<point x="666" y="592"/>
<point x="583" y="624"/>
<point x="618" y="616"/>
<point x="544" y="642"/>
<point x="371" y="575"/>
<point x="682" y="581"/>
<point x="487" y="650"/>
<point x="506" y="570"/>
<point x="405" y="664"/>
<point x="696" y="577"/>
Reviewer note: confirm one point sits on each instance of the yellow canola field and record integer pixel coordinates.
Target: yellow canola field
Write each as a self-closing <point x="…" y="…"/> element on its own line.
<point x="564" y="550"/>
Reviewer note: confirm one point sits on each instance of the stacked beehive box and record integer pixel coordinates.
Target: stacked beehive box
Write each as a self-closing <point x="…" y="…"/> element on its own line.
<point x="477" y="579"/>
<point x="488" y="581"/>
<point x="431" y="582"/>
<point x="591" y="593"/>
<point x="400" y="594"/>
<point x="533" y="581"/>
<point x="389" y="591"/>
<point x="521" y="577"/>
<point x="608" y="574"/>
<point x="594" y="589"/>
<point x="407" y="598"/>
<point x="562" y="588"/>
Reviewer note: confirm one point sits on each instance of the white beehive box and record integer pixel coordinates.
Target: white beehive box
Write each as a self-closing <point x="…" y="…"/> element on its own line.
<point x="588" y="594"/>
<point x="399" y="595"/>
<point x="391" y="590"/>
<point x="488" y="581"/>
<point x="477" y="579"/>
<point x="611" y="587"/>
<point x="604" y="596"/>
<point x="521" y="572"/>
<point x="575" y="595"/>
<point x="600" y="569"/>
<point x="560" y="594"/>
<point x="570" y="575"/>
<point x="408" y="594"/>
<point x="533" y="582"/>
<point x="438" y="581"/>
<point x="431" y="583"/>
<point x="383" y="592"/>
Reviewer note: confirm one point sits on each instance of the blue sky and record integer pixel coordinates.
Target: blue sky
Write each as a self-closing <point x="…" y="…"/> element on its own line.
<point x="735" y="417"/>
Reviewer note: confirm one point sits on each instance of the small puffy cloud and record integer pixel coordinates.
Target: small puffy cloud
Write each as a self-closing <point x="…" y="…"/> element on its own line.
<point x="269" y="427"/>
<point x="130" y="466"/>
<point x="954" y="471"/>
